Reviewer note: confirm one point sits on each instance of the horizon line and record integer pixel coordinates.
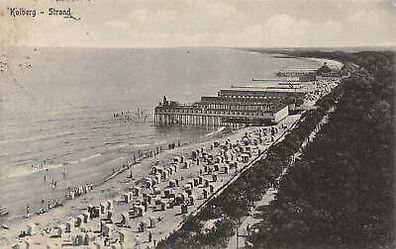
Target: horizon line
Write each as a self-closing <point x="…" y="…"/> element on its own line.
<point x="217" y="47"/>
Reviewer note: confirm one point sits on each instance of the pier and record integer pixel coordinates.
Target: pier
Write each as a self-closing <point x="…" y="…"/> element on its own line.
<point x="231" y="107"/>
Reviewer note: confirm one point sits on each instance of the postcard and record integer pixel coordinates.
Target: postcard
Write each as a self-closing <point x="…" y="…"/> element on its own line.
<point x="197" y="124"/>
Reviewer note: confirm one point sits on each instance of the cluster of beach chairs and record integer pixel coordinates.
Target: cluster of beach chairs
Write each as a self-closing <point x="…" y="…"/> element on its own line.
<point x="321" y="88"/>
<point x="173" y="189"/>
<point x="79" y="232"/>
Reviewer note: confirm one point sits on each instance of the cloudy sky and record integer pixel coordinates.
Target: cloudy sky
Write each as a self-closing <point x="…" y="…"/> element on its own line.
<point x="230" y="23"/>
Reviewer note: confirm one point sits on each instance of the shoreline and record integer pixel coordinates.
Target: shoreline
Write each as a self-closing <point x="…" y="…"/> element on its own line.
<point x="109" y="166"/>
<point x="113" y="187"/>
<point x="288" y="55"/>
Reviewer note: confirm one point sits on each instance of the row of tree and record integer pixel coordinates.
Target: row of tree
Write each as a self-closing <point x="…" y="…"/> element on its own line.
<point x="340" y="194"/>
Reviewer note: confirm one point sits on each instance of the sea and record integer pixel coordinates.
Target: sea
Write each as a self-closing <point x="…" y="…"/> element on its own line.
<point x="58" y="106"/>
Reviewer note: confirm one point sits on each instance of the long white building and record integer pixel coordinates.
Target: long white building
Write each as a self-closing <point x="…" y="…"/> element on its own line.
<point x="231" y="107"/>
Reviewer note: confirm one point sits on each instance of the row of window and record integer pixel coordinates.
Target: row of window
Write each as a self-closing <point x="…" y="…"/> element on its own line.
<point x="176" y="111"/>
<point x="251" y="97"/>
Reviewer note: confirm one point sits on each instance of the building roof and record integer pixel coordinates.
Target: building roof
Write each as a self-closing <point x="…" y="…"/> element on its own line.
<point x="298" y="69"/>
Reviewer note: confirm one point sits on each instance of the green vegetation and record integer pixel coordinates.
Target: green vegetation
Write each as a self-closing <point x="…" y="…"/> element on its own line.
<point x="340" y="193"/>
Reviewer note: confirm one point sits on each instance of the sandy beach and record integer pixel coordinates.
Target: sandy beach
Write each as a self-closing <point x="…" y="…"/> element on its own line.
<point x="122" y="183"/>
<point x="141" y="204"/>
<point x="18" y="192"/>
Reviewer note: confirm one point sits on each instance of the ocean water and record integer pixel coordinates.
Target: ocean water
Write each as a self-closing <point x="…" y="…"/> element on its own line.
<point x="57" y="104"/>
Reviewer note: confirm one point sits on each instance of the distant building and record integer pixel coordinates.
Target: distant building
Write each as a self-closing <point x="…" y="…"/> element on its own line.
<point x="309" y="74"/>
<point x="326" y="71"/>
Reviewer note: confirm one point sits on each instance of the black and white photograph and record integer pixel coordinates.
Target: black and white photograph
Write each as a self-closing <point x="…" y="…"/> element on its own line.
<point x="197" y="124"/>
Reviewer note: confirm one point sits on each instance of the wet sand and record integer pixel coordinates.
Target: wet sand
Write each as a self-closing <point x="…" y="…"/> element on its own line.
<point x="18" y="192"/>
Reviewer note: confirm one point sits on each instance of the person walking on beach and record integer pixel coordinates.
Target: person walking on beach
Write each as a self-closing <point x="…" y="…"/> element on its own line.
<point x="46" y="175"/>
<point x="131" y="174"/>
<point x="27" y="211"/>
<point x="150" y="237"/>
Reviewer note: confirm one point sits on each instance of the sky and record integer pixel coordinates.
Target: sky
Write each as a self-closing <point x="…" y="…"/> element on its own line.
<point x="186" y="23"/>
